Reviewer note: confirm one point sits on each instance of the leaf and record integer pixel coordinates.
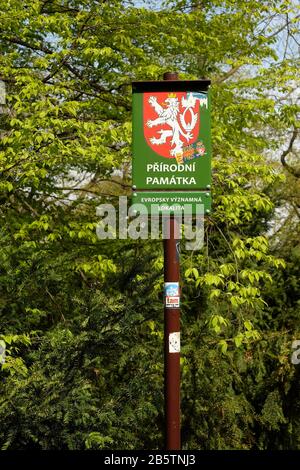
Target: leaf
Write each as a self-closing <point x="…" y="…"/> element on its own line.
<point x="238" y="339"/>
<point x="223" y="345"/>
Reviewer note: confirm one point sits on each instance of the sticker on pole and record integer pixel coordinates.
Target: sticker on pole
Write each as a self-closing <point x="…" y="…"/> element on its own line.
<point x="174" y="342"/>
<point x="172" y="295"/>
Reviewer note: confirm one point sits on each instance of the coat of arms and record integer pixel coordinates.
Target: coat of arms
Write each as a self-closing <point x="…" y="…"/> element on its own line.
<point x="172" y="121"/>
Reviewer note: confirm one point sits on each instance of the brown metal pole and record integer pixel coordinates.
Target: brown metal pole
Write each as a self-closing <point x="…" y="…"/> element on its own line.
<point x="172" y="330"/>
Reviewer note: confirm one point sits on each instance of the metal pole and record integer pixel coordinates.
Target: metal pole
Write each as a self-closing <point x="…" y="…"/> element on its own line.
<point x="172" y="330"/>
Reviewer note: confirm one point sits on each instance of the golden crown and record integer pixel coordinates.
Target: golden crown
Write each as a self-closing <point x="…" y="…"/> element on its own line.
<point x="171" y="95"/>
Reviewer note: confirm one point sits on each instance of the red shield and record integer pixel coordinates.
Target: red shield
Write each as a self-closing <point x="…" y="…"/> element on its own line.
<point x="171" y="122"/>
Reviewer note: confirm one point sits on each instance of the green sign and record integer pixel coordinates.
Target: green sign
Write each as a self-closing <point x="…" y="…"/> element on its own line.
<point x="174" y="202"/>
<point x="171" y="136"/>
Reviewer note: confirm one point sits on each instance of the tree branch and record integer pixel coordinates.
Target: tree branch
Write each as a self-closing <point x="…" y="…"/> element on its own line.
<point x="286" y="24"/>
<point x="284" y="154"/>
<point x="228" y="74"/>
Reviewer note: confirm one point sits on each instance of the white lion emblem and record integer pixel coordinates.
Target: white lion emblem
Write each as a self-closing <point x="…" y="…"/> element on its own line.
<point x="179" y="128"/>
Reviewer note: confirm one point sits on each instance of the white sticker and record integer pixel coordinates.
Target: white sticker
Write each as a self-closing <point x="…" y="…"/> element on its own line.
<point x="172" y="302"/>
<point x="174" y="342"/>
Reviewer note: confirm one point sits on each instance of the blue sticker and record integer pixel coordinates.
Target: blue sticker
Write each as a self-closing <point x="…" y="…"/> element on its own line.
<point x="172" y="289"/>
<point x="172" y="295"/>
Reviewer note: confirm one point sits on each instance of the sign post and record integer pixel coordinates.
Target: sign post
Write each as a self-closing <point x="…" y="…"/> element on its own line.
<point x="171" y="142"/>
<point x="171" y="168"/>
<point x="172" y="330"/>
